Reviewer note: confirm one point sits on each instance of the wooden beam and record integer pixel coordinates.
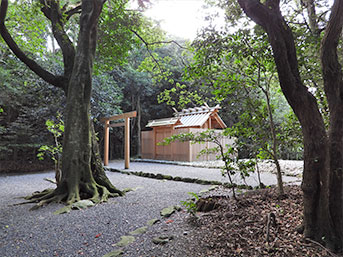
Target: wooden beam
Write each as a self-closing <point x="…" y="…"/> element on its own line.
<point x="120" y="116"/>
<point x="127" y="143"/>
<point x="106" y="142"/>
<point x="107" y="125"/>
<point x="219" y="120"/>
<point x="115" y="125"/>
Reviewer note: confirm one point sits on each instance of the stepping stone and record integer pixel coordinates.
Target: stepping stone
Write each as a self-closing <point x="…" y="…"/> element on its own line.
<point x="125" y="240"/>
<point x="162" y="240"/>
<point x="139" y="231"/>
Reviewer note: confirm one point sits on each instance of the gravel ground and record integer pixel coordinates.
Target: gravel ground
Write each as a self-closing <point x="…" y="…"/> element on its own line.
<point x="288" y="167"/>
<point x="94" y="231"/>
<point x="90" y="232"/>
<point x="291" y="169"/>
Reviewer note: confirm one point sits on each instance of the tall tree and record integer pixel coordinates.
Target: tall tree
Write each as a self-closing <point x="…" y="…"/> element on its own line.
<point x="240" y="70"/>
<point x="323" y="157"/>
<point x="82" y="172"/>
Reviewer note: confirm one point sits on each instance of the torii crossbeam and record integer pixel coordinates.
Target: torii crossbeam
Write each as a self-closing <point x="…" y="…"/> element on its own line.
<point x="107" y="125"/>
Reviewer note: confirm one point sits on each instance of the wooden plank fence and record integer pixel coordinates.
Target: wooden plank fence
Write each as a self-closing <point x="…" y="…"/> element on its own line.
<point x="176" y="151"/>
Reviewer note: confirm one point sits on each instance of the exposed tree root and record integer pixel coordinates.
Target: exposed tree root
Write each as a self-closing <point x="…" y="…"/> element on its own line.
<point x="322" y="246"/>
<point x="90" y="191"/>
<point x="95" y="187"/>
<point x="51" y="199"/>
<point x="37" y="195"/>
<point x="43" y="198"/>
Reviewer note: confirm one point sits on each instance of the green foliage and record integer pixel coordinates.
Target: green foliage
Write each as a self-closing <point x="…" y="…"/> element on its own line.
<point x="190" y="204"/>
<point x="239" y="70"/>
<point x="120" y="31"/>
<point x="107" y="96"/>
<point x="166" y="65"/>
<point x="28" y="26"/>
<point x="53" y="151"/>
<point x="115" y="36"/>
<point x="228" y="153"/>
<point x="184" y="96"/>
<point x="27" y="102"/>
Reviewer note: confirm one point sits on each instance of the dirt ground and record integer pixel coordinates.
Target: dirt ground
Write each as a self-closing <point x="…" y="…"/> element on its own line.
<point x="258" y="224"/>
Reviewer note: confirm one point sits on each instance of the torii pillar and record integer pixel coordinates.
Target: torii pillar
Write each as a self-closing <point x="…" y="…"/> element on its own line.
<point x="126" y="124"/>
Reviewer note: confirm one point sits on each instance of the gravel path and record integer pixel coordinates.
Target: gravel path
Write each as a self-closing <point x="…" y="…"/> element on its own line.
<point x="90" y="232"/>
<point x="292" y="171"/>
<point x="94" y="231"/>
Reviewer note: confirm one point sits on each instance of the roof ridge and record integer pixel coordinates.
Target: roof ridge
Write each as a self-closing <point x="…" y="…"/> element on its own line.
<point x="196" y="110"/>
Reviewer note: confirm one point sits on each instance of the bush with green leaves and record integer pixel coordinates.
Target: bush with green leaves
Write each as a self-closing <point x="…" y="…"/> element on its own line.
<point x="190" y="204"/>
<point x="54" y="151"/>
<point x="227" y="153"/>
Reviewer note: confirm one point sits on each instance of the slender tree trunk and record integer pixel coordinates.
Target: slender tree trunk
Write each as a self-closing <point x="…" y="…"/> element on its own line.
<point x="312" y="17"/>
<point x="281" y="192"/>
<point x="335" y="182"/>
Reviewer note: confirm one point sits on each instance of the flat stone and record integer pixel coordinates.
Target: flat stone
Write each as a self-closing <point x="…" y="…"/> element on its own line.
<point x="152" y="222"/>
<point x="125" y="240"/>
<point x="83" y="204"/>
<point x="139" y="231"/>
<point x="162" y="240"/>
<point x="63" y="210"/>
<point x="114" y="253"/>
<point x="167" y="212"/>
<point x="177" y="208"/>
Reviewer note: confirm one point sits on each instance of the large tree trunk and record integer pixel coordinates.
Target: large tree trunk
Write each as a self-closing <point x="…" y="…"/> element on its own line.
<point x="97" y="167"/>
<point x="83" y="175"/>
<point x="322" y="153"/>
<point x="77" y="176"/>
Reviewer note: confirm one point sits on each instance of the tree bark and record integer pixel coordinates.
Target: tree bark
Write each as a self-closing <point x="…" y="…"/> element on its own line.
<point x="274" y="151"/>
<point x="333" y="86"/>
<point x="83" y="175"/>
<point x="77" y="173"/>
<point x="318" y="221"/>
<point x="97" y="167"/>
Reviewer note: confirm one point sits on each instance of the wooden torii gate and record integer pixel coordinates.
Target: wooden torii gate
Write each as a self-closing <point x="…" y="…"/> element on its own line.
<point x="107" y="125"/>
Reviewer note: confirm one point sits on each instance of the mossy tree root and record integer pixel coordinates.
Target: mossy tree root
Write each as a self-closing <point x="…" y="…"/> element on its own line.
<point x="104" y="182"/>
<point x="45" y="197"/>
<point x="62" y="194"/>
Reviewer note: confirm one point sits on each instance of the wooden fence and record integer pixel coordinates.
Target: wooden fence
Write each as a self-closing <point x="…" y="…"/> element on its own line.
<point x="176" y="151"/>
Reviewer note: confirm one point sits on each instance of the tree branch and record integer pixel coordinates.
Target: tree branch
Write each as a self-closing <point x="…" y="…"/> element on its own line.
<point x="332" y="70"/>
<point x="34" y="66"/>
<point x="167" y="42"/>
<point x="147" y="47"/>
<point x="52" y="11"/>
<point x="71" y="12"/>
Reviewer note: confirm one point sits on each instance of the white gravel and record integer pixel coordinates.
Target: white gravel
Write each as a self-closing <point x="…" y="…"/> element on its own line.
<point x="41" y="233"/>
<point x="94" y="231"/>
<point x="288" y="167"/>
<point x="291" y="171"/>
